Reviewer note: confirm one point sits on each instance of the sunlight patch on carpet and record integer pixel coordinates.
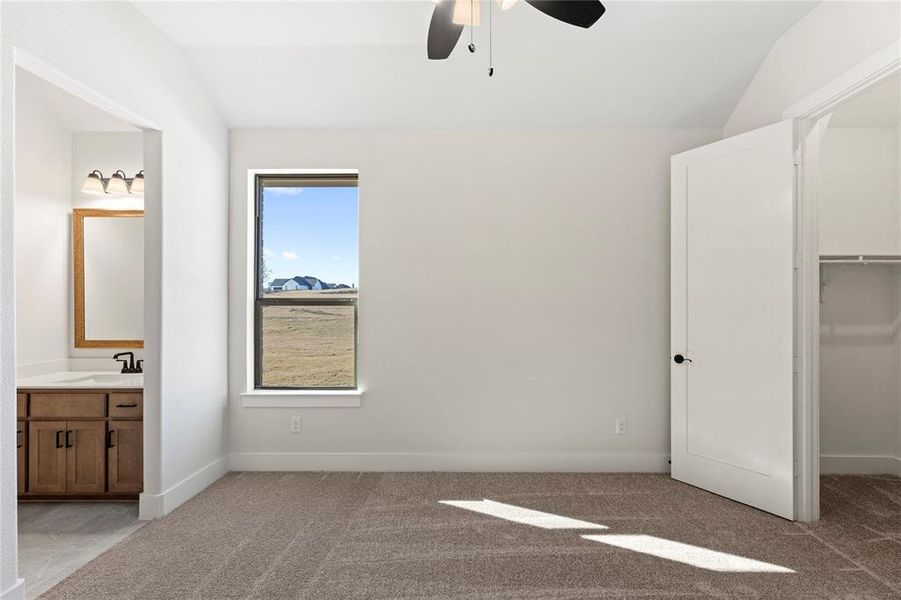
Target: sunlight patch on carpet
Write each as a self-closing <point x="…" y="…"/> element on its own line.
<point x="703" y="558"/>
<point x="517" y="514"/>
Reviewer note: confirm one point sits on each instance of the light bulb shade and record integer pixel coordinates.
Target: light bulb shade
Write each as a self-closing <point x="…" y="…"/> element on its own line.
<point x="467" y="12"/>
<point x="93" y="183"/>
<point x="117" y="184"/>
<point x="137" y="184"/>
<point x="505" y="4"/>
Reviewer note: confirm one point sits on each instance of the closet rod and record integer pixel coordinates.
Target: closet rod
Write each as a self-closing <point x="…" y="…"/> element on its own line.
<point x="861" y="259"/>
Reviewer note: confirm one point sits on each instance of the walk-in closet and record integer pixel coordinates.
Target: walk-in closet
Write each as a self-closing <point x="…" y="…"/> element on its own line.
<point x="860" y="277"/>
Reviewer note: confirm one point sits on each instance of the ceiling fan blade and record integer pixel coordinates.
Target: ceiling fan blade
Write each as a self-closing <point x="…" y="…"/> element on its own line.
<point x="581" y="13"/>
<point x="443" y="32"/>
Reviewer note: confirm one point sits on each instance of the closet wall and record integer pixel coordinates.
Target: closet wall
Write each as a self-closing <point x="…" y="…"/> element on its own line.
<point x="860" y="312"/>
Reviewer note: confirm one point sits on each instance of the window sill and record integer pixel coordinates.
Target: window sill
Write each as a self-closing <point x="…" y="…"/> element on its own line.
<point x="301" y="399"/>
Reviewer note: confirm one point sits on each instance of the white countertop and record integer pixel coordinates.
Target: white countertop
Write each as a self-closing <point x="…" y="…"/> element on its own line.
<point x="83" y="379"/>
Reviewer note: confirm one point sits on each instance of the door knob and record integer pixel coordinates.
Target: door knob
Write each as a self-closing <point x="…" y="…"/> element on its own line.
<point x="679" y="359"/>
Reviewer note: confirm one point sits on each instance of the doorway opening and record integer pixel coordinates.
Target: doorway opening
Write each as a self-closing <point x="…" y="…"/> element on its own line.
<point x="859" y="231"/>
<point x="81" y="284"/>
<point x="813" y="118"/>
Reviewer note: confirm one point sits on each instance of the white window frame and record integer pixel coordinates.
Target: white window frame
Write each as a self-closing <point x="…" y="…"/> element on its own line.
<point x="254" y="398"/>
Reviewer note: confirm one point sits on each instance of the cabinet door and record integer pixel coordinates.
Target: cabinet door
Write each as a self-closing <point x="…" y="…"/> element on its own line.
<point x="125" y="457"/>
<point x="85" y="457"/>
<point x="21" y="440"/>
<point x="47" y="457"/>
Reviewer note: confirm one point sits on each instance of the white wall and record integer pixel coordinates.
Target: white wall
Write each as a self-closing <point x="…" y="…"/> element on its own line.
<point x="42" y="236"/>
<point x="105" y="151"/>
<point x="860" y="395"/>
<point x="828" y="41"/>
<point x="860" y="209"/>
<point x="186" y="237"/>
<point x="514" y="301"/>
<point x="52" y="163"/>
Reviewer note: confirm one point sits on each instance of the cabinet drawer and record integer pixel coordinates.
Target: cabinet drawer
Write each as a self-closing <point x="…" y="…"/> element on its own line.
<point x="126" y="404"/>
<point x="68" y="405"/>
<point x="20" y="406"/>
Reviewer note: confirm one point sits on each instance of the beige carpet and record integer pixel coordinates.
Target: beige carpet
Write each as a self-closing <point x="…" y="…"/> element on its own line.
<point x="371" y="535"/>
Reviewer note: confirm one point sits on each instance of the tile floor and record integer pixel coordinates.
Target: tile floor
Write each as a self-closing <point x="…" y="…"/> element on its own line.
<point x="56" y="538"/>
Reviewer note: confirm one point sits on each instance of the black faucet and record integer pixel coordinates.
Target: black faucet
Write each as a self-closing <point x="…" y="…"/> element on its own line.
<point x="128" y="365"/>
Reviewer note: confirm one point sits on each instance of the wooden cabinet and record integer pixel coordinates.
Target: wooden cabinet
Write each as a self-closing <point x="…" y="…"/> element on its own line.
<point x="70" y="405"/>
<point x="85" y="457"/>
<point x="86" y="444"/>
<point x="126" y="405"/>
<point x="21" y="453"/>
<point x="125" y="456"/>
<point x="47" y="457"/>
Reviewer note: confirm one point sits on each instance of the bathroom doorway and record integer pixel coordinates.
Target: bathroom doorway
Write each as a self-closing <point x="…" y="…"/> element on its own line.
<point x="82" y="318"/>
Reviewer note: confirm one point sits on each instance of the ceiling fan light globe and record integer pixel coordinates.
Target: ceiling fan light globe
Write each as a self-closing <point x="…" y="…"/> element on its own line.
<point x="467" y="12"/>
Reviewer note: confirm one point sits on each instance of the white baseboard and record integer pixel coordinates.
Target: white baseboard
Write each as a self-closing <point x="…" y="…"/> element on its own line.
<point x="450" y="461"/>
<point x="849" y="464"/>
<point x="16" y="592"/>
<point x="154" y="506"/>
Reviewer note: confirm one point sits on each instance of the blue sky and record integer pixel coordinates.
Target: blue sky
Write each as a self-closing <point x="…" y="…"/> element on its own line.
<point x="311" y="231"/>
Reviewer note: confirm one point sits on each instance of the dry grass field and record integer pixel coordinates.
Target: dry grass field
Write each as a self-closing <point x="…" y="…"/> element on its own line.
<point x="308" y="346"/>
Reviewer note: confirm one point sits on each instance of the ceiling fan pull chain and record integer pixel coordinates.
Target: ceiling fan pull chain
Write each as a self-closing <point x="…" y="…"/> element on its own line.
<point x="490" y="42"/>
<point x="472" y="18"/>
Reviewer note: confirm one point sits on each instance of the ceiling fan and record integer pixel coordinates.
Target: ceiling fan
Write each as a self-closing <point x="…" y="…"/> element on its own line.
<point x="449" y="17"/>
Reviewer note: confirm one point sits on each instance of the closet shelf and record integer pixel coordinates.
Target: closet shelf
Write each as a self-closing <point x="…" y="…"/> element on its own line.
<point x="860" y="259"/>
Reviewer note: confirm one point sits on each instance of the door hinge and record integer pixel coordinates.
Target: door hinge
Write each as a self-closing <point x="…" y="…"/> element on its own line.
<point x="797" y="364"/>
<point x="796" y="471"/>
<point x="799" y="156"/>
<point x="799" y="260"/>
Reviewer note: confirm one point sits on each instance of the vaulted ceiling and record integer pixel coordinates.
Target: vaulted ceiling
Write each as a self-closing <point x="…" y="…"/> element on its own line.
<point x="362" y="64"/>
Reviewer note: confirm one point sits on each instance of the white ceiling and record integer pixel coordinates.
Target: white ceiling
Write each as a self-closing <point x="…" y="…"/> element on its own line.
<point x="878" y="107"/>
<point x="71" y="113"/>
<point x="362" y="63"/>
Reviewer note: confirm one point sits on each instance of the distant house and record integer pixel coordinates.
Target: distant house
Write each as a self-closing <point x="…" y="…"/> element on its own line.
<point x="309" y="283"/>
<point x="283" y="285"/>
<point x="297" y="282"/>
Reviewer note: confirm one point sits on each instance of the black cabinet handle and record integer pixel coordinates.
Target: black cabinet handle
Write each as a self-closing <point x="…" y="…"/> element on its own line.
<point x="679" y="359"/>
<point x="18" y="433"/>
<point x="59" y="444"/>
<point x="109" y="438"/>
<point x="69" y="443"/>
<point x="126" y="405"/>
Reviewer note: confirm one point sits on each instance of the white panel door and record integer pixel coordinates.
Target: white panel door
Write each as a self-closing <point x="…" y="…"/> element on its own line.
<point x="732" y="318"/>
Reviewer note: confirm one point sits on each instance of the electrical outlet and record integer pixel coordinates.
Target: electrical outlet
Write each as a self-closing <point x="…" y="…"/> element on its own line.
<point x="294" y="425"/>
<point x="622" y="425"/>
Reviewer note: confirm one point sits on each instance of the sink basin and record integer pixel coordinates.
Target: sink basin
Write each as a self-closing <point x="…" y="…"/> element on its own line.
<point x="85" y="380"/>
<point x="105" y="379"/>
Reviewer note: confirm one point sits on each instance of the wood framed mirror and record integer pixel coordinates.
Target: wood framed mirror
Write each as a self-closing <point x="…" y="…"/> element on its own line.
<point x="108" y="278"/>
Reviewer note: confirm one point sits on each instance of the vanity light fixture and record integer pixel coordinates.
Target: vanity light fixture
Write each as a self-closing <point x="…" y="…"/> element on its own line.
<point x="93" y="183"/>
<point x="137" y="184"/>
<point x="118" y="183"/>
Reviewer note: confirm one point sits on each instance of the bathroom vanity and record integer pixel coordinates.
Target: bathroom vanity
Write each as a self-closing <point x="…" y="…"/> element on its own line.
<point x="80" y="436"/>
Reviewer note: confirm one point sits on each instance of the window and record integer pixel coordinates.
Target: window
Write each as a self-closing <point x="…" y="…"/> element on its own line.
<point x="305" y="316"/>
